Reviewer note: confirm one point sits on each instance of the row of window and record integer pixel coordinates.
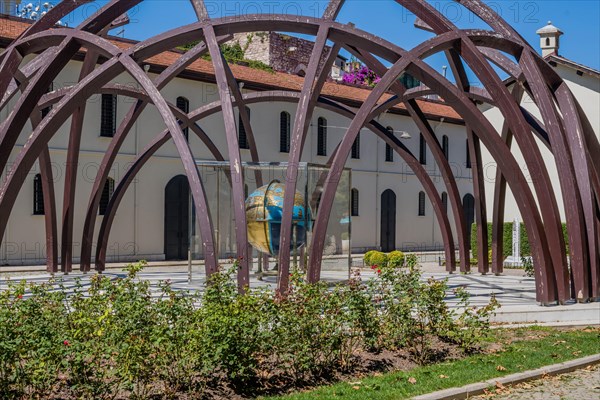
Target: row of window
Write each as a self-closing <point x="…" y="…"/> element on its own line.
<point x="38" y="195"/>
<point x="108" y="114"/>
<point x="109" y="188"/>
<point x="354" y="199"/>
<point x="422" y="203"/>
<point x="108" y="126"/>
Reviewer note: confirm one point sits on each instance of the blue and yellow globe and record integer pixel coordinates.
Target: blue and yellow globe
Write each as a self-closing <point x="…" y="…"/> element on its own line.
<point x="264" y="208"/>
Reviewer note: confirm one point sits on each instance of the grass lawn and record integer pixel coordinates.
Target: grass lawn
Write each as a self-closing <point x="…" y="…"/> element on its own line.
<point x="509" y="352"/>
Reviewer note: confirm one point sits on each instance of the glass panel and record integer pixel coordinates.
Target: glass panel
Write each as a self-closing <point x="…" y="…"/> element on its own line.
<point x="264" y="213"/>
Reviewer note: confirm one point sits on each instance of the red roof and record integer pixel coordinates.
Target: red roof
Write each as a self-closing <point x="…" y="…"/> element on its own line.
<point x="12" y="27"/>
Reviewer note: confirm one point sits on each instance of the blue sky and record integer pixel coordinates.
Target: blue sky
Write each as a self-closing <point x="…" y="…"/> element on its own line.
<point x="579" y="19"/>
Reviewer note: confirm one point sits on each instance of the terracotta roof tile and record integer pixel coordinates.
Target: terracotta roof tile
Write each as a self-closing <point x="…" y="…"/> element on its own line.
<point x="11" y="28"/>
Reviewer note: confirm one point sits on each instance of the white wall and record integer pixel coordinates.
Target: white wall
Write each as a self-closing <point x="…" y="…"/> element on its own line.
<point x="586" y="90"/>
<point x="138" y="228"/>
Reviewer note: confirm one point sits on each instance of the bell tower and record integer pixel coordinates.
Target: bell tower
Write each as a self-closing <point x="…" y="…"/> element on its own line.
<point x="549" y="39"/>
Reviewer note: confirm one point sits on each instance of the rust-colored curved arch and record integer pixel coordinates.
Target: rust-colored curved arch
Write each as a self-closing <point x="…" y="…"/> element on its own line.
<point x="215" y="107"/>
<point x="43" y="133"/>
<point x="572" y="141"/>
<point x="569" y="150"/>
<point x="115" y="144"/>
<point x="511" y="112"/>
<point x="468" y="110"/>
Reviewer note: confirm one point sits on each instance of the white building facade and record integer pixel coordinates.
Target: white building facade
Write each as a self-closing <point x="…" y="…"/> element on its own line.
<point x="139" y="229"/>
<point x="583" y="81"/>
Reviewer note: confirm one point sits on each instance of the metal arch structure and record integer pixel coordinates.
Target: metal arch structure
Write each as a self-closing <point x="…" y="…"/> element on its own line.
<point x="564" y="129"/>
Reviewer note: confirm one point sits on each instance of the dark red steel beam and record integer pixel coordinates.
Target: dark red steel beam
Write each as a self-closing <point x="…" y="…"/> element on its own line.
<point x="122" y="131"/>
<point x="564" y="123"/>
<point x="235" y="158"/>
<point x="314" y="80"/>
<point x="431" y="139"/>
<point x="511" y="112"/>
<point x="215" y="107"/>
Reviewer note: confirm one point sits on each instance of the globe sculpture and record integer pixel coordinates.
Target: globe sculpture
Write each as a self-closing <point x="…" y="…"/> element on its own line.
<point x="264" y="208"/>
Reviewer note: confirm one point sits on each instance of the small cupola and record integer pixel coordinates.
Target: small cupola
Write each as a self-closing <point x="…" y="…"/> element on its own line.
<point x="549" y="39"/>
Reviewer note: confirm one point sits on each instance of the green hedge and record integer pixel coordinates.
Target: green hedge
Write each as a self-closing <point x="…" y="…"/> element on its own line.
<point x="507" y="239"/>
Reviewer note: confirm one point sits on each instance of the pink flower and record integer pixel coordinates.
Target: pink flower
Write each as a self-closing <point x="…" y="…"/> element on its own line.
<point x="20" y="296"/>
<point x="378" y="271"/>
<point x="66" y="343"/>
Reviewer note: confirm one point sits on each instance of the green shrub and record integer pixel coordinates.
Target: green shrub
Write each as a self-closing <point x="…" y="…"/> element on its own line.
<point x="414" y="312"/>
<point x="507" y="239"/>
<point x="122" y="338"/>
<point x="473" y="324"/>
<point x="396" y="259"/>
<point x="367" y="257"/>
<point x="233" y="54"/>
<point x="375" y="258"/>
<point x="527" y="263"/>
<point x="378" y="259"/>
<point x="411" y="260"/>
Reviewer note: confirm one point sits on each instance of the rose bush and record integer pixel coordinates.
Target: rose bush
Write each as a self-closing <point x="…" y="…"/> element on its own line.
<point x="120" y="338"/>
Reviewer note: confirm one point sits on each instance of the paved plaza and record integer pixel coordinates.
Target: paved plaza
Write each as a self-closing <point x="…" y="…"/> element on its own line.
<point x="579" y="385"/>
<point x="514" y="291"/>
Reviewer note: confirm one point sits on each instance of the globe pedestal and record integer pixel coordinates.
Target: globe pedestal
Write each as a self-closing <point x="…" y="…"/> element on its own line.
<point x="265" y="185"/>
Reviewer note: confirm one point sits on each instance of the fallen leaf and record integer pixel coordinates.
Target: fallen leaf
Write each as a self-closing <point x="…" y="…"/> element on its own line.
<point x="499" y="385"/>
<point x="356" y="387"/>
<point x="526" y="386"/>
<point x="412" y="380"/>
<point x="500" y="368"/>
<point x="443" y="376"/>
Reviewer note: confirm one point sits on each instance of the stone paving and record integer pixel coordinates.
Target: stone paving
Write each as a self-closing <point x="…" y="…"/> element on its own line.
<point x="579" y="385"/>
<point x="509" y="289"/>
<point x="514" y="291"/>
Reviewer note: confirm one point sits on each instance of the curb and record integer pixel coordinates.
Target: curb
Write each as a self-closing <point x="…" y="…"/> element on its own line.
<point x="556" y="324"/>
<point x="476" y="389"/>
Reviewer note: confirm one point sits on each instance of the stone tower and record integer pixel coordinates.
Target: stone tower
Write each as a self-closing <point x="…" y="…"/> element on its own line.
<point x="549" y="39"/>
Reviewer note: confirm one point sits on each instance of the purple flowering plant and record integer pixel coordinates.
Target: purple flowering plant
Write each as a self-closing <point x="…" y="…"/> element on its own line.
<point x="361" y="76"/>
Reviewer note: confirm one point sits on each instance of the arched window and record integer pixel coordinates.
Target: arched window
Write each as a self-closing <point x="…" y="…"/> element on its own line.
<point x="468" y="163"/>
<point x="107" y="192"/>
<point x="322" y="137"/>
<point x="108" y="115"/>
<point x="356" y="147"/>
<point x="445" y="146"/>
<point x="38" y="195"/>
<point x="547" y="41"/>
<point x="421" y="204"/>
<point x="285" y="131"/>
<point x="422" y="150"/>
<point x="469" y="212"/>
<point x="445" y="201"/>
<point x="184" y="105"/>
<point x="243" y="139"/>
<point x="389" y="153"/>
<point x="354" y="202"/>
